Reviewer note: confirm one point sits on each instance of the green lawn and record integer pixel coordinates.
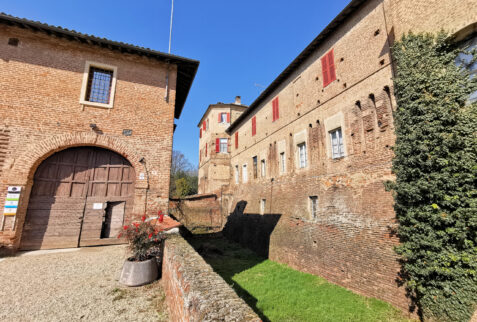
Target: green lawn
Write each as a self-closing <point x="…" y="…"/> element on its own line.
<point x="278" y="293"/>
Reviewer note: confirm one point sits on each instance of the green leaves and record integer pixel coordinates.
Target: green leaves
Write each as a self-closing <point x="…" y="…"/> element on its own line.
<point x="435" y="166"/>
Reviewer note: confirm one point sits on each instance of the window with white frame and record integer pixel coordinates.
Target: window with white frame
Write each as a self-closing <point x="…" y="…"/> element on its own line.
<point x="262" y="206"/>
<point x="337" y="147"/>
<point x="302" y="157"/>
<point x="223" y="117"/>
<point x="244" y="173"/>
<point x="223" y="145"/>
<point x="263" y="168"/>
<point x="99" y="83"/>
<point x="282" y="162"/>
<point x="313" y="206"/>
<point x="236" y="174"/>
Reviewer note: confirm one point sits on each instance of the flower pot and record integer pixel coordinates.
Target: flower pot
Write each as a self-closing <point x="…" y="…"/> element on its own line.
<point x="138" y="273"/>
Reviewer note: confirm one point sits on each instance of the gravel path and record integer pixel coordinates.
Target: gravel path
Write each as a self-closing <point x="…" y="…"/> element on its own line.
<point x="72" y="286"/>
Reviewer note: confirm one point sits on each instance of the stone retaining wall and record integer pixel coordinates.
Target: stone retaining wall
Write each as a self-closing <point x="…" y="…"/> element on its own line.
<point x="194" y="292"/>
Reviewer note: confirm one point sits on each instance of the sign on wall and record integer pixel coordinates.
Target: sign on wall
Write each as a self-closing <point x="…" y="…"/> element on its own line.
<point x="11" y="201"/>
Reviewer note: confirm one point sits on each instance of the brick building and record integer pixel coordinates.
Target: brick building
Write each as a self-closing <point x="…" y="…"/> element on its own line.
<point x="214" y="145"/>
<point x="86" y="128"/>
<point x="312" y="152"/>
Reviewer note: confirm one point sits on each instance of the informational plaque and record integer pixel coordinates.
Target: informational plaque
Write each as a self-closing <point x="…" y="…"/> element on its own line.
<point x="11" y="201"/>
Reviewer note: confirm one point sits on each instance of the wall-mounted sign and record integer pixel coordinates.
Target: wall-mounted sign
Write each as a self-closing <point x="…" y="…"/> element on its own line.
<point x="11" y="201"/>
<point x="142" y="176"/>
<point x="97" y="205"/>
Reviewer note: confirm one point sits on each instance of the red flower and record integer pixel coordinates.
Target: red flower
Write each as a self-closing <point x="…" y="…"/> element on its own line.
<point x="150" y="235"/>
<point x="120" y="234"/>
<point x="143" y="218"/>
<point x="136" y="224"/>
<point x="126" y="227"/>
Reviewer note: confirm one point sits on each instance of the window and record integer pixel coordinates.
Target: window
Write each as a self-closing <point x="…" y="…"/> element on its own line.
<point x="254" y="125"/>
<point x="236" y="140"/>
<point x="313" y="206"/>
<point x="282" y="162"/>
<point x="255" y="167"/>
<point x="206" y="149"/>
<point x="200" y="134"/>
<point x="207" y="124"/>
<point x="244" y="173"/>
<point x="262" y="206"/>
<point x="204" y="126"/>
<point x="224" y="117"/>
<point x="328" y="68"/>
<point x="276" y="113"/>
<point x="223" y="144"/>
<point x="236" y="174"/>
<point x="466" y="60"/>
<point x="337" y="148"/>
<point x="99" y="83"/>
<point x="263" y="168"/>
<point x="302" y="154"/>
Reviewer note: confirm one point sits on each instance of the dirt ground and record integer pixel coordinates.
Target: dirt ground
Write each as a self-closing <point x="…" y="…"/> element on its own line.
<point x="72" y="285"/>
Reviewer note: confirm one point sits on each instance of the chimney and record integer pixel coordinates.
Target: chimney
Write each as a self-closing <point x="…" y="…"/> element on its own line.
<point x="238" y="101"/>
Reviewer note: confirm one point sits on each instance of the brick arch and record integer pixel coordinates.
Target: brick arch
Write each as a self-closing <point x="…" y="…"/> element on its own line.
<point x="34" y="154"/>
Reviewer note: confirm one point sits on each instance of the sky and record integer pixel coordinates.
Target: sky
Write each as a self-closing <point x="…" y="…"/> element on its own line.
<point x="242" y="45"/>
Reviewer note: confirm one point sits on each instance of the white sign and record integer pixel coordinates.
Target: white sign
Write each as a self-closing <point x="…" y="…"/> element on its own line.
<point x="13" y="196"/>
<point x="16" y="189"/>
<point x="9" y="211"/>
<point x="142" y="176"/>
<point x="97" y="205"/>
<point x="11" y="203"/>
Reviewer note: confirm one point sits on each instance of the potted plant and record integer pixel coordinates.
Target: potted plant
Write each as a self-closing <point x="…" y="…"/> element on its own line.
<point x="144" y="241"/>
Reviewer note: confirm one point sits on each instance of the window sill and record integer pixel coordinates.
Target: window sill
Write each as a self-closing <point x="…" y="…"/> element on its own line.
<point x="94" y="104"/>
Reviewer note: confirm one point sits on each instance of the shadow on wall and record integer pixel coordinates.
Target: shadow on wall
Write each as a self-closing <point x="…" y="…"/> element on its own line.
<point x="252" y="231"/>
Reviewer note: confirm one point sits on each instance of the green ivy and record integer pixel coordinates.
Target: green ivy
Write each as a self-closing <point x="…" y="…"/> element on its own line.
<point x="435" y="167"/>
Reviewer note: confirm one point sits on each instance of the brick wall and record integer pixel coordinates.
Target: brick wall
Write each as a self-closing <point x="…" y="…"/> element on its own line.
<point x="198" y="213"/>
<point x="194" y="292"/>
<point x="39" y="105"/>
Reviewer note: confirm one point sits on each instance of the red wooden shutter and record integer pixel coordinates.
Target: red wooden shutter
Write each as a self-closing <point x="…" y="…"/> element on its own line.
<point x="228" y="145"/>
<point x="236" y="140"/>
<point x="228" y="117"/>
<point x="220" y="118"/>
<point x="331" y="66"/>
<point x="276" y="113"/>
<point x="203" y="125"/>
<point x="200" y="135"/>
<point x="254" y="125"/>
<point x="217" y="145"/>
<point x="324" y="68"/>
<point x="206" y="149"/>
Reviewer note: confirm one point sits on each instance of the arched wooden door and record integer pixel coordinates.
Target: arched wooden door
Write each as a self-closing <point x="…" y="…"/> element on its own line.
<point x="80" y="197"/>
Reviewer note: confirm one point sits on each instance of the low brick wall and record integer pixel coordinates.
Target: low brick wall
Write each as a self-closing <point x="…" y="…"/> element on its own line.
<point x="198" y="213"/>
<point x="194" y="292"/>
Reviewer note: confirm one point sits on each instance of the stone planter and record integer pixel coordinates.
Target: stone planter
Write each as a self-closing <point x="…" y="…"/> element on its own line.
<point x="139" y="273"/>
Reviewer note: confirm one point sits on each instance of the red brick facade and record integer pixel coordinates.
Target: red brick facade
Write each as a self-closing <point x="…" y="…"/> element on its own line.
<point x="313" y="193"/>
<point x="41" y="113"/>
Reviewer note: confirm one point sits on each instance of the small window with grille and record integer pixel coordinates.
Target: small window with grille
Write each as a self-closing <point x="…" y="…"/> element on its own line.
<point x="99" y="82"/>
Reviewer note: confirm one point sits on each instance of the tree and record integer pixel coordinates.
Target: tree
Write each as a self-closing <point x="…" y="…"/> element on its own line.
<point x="184" y="179"/>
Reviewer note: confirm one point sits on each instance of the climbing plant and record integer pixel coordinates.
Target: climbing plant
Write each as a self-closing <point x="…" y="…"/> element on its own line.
<point x="435" y="167"/>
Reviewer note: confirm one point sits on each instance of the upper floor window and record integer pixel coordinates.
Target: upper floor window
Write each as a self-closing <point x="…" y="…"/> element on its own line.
<point x="263" y="203"/>
<point x="244" y="173"/>
<point x="468" y="61"/>
<point x="302" y="157"/>
<point x="224" y="117"/>
<point x="263" y="168"/>
<point x="207" y="123"/>
<point x="313" y="206"/>
<point x="328" y="68"/>
<point x="337" y="147"/>
<point x="236" y="139"/>
<point x="236" y="174"/>
<point x="223" y="145"/>
<point x="255" y="170"/>
<point x="99" y="83"/>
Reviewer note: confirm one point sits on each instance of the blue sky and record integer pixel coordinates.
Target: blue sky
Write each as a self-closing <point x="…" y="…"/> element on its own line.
<point x="242" y="45"/>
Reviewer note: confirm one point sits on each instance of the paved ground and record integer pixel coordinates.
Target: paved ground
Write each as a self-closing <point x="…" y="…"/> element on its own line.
<point x="75" y="285"/>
